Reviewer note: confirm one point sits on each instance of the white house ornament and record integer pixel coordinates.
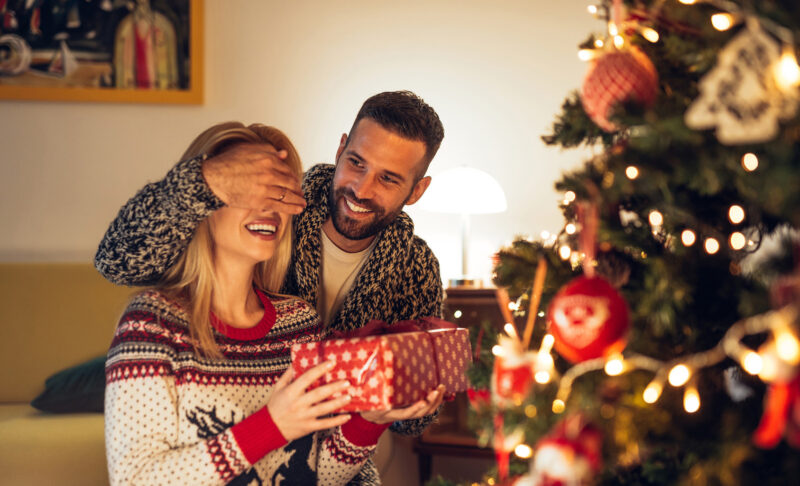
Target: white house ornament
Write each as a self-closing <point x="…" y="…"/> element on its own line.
<point x="739" y="96"/>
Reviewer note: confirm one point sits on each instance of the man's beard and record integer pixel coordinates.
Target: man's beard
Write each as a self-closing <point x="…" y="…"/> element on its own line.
<point x="351" y="228"/>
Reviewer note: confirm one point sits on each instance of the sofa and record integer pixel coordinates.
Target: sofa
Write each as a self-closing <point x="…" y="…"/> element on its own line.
<point x="53" y="316"/>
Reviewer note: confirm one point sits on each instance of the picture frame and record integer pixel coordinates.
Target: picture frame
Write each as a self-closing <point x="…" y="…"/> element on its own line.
<point x="134" y="51"/>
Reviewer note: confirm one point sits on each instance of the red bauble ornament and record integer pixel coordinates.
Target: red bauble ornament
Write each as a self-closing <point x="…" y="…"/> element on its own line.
<point x="588" y="319"/>
<point x="512" y="377"/>
<point x="616" y="76"/>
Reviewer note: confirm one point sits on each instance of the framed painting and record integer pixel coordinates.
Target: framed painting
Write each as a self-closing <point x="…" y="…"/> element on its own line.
<point x="140" y="51"/>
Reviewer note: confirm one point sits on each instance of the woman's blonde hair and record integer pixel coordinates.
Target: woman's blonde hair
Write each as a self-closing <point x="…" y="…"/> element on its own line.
<point x="191" y="278"/>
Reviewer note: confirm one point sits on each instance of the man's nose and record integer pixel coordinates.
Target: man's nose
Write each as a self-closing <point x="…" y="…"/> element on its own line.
<point x="364" y="187"/>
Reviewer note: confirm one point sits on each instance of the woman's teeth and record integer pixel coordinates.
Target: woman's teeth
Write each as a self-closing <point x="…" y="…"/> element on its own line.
<point x="264" y="229"/>
<point x="354" y="208"/>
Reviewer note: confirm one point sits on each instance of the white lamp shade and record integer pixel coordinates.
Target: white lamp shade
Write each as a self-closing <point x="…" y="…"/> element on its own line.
<point x="464" y="190"/>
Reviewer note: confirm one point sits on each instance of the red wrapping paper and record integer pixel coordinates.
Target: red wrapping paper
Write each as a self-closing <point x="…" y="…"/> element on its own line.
<point x="390" y="370"/>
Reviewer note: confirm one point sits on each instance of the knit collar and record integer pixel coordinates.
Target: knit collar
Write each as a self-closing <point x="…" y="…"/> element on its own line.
<point x="251" y="333"/>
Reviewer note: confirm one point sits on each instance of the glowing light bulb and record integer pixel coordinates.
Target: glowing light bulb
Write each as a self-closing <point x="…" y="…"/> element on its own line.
<point x="712" y="246"/>
<point x="736" y="214"/>
<point x="787" y="347"/>
<point x="688" y="2"/>
<point x="523" y="451"/>
<point x="612" y="29"/>
<point x="585" y="54"/>
<point x="598" y="43"/>
<point x="688" y="237"/>
<point x="619" y="41"/>
<point x="457" y="314"/>
<point x="530" y="411"/>
<point x="679" y="375"/>
<point x="615" y="366"/>
<point x="631" y="172"/>
<point x="737" y="240"/>
<point x="569" y="196"/>
<point x="547" y="341"/>
<point x="592" y="9"/>
<point x="564" y="252"/>
<point x="691" y="400"/>
<point x="650" y="34"/>
<point x="545" y="234"/>
<point x="510" y="330"/>
<point x="787" y="72"/>
<point x="570" y="228"/>
<point x="722" y="21"/>
<point x="652" y="392"/>
<point x="749" y="162"/>
<point x="498" y="350"/>
<point x="656" y="218"/>
<point x="542" y="377"/>
<point x="752" y="362"/>
<point x="559" y="406"/>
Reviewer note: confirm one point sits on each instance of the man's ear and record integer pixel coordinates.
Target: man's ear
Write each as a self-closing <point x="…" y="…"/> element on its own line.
<point x="419" y="190"/>
<point x="342" y="145"/>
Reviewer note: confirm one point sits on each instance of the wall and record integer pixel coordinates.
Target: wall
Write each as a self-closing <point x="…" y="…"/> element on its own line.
<point x="496" y="72"/>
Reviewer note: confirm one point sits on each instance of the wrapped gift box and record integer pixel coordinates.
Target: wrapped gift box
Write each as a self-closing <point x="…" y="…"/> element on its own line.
<point x="391" y="370"/>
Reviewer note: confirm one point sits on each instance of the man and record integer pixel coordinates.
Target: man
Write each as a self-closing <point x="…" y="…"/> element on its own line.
<point x="355" y="254"/>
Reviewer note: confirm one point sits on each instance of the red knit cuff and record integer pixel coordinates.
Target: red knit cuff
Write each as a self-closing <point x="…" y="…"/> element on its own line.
<point x="257" y="435"/>
<point x="362" y="432"/>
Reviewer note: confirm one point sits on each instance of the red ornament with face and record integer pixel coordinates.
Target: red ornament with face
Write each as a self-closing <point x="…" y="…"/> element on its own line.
<point x="588" y="319"/>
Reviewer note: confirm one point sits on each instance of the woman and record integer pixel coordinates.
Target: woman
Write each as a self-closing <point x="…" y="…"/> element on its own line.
<point x="194" y="390"/>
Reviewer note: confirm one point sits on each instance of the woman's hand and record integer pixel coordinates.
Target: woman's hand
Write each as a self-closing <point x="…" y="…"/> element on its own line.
<point x="416" y="410"/>
<point x="297" y="412"/>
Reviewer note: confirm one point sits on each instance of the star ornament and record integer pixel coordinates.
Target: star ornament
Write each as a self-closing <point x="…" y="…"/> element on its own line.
<point x="739" y="96"/>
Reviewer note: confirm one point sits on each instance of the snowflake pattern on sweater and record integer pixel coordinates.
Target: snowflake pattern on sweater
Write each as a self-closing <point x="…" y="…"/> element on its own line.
<point x="173" y="417"/>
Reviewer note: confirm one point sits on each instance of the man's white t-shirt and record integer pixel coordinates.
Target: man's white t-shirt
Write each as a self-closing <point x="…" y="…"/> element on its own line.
<point x="339" y="272"/>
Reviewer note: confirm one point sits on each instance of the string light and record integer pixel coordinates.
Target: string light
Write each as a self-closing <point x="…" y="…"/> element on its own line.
<point x="737" y="240"/>
<point x="618" y="41"/>
<point x="612" y="29"/>
<point x="569" y="196"/>
<point x="736" y="214"/>
<point x="498" y="350"/>
<point x="598" y="43"/>
<point x="652" y="392"/>
<point x="570" y="228"/>
<point x="564" y="252"/>
<point x="615" y="366"/>
<point x="586" y="54"/>
<point x="523" y="451"/>
<point x="691" y="399"/>
<point x="688" y="237"/>
<point x="787" y="346"/>
<point x="712" y="246"/>
<point x="787" y="72"/>
<point x="592" y="9"/>
<point x="688" y="2"/>
<point x="457" y="314"/>
<point x="631" y="172"/>
<point x="559" y="406"/>
<point x="679" y="375"/>
<point x="656" y="218"/>
<point x="650" y="34"/>
<point x="545" y="234"/>
<point x="722" y="21"/>
<point x="752" y="363"/>
<point x="750" y="162"/>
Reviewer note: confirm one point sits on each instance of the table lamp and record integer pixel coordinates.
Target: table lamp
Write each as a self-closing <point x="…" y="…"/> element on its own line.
<point x="464" y="191"/>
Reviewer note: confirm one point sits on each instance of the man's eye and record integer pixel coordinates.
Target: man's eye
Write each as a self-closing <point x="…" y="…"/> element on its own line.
<point x="356" y="162"/>
<point x="389" y="180"/>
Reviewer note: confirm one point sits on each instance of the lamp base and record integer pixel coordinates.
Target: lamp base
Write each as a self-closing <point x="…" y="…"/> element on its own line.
<point x="465" y="282"/>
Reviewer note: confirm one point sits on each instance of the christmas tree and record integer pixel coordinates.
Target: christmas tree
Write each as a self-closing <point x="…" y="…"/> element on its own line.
<point x="655" y="338"/>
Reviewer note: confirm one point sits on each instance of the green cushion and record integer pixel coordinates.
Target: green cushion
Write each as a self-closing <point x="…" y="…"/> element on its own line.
<point x="77" y="389"/>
